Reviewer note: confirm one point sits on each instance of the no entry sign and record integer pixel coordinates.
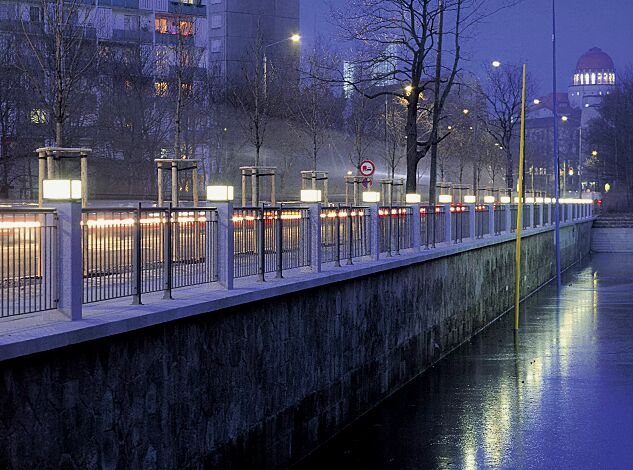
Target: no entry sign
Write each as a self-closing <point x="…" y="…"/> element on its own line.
<point x="367" y="168"/>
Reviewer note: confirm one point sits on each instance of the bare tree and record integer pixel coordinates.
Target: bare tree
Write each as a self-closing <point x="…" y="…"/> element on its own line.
<point x="406" y="56"/>
<point x="394" y="117"/>
<point x="503" y="97"/>
<point x="315" y="107"/>
<point x="62" y="50"/>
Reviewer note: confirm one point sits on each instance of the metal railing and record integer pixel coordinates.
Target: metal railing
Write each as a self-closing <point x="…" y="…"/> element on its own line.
<point x="482" y="221"/>
<point x="395" y="228"/>
<point x="130" y="252"/>
<point x="270" y="240"/>
<point x="513" y="217"/>
<point x="28" y="261"/>
<point x="500" y="218"/>
<point x="345" y="234"/>
<point x="432" y="226"/>
<point x="460" y="223"/>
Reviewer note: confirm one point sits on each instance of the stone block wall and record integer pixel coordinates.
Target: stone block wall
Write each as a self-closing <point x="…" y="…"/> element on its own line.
<point x="258" y="386"/>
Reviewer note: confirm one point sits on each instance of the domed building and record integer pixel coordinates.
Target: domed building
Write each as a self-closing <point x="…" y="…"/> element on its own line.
<point x="593" y="79"/>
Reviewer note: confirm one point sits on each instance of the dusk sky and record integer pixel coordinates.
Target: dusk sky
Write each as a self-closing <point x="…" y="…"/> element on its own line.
<point x="523" y="33"/>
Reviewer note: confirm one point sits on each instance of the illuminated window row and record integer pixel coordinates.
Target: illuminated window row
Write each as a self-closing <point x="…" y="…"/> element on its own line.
<point x="594" y="78"/>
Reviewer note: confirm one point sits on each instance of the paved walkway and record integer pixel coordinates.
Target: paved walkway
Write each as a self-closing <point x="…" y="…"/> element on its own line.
<point x="560" y="396"/>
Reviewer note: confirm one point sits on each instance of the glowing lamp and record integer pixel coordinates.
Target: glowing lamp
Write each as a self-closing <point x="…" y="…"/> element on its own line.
<point x="505" y="199"/>
<point x="547" y="200"/>
<point x="529" y="200"/>
<point x="371" y="196"/>
<point x="470" y="199"/>
<point x="413" y="199"/>
<point x="220" y="193"/>
<point x="489" y="199"/>
<point x="445" y="199"/>
<point x="540" y="200"/>
<point x="310" y="195"/>
<point x="496" y="63"/>
<point x="607" y="188"/>
<point x="61" y="190"/>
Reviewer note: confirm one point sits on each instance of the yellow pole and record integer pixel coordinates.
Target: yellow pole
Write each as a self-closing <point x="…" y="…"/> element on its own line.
<point x="517" y="271"/>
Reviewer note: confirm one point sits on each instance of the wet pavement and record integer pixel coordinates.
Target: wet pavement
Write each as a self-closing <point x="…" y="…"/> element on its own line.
<point x="558" y="396"/>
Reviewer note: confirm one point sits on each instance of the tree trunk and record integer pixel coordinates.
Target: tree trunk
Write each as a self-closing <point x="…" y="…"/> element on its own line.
<point x="411" y="130"/>
<point x="436" y="110"/>
<point x="509" y="173"/>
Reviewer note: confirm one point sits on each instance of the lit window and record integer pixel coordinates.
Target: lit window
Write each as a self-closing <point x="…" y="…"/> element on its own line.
<point x="187" y="88"/>
<point x="586" y="79"/>
<point x="160" y="24"/>
<point x="593" y="78"/>
<point x="161" y="88"/>
<point x="582" y="79"/>
<point x="38" y="116"/>
<point x="186" y="27"/>
<point x="599" y="78"/>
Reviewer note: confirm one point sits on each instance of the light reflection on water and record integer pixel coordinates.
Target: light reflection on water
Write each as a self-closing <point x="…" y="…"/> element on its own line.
<point x="557" y="396"/>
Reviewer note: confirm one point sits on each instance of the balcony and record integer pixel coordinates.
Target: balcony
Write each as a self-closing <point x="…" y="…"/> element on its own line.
<point x="187" y="9"/>
<point x="122" y="35"/>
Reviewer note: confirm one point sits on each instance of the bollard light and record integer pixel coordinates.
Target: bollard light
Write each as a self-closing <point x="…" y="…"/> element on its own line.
<point x="505" y="199"/>
<point x="540" y="200"/>
<point x="371" y="196"/>
<point x="445" y="199"/>
<point x="220" y="193"/>
<point x="470" y="199"/>
<point x="311" y="195"/>
<point x="547" y="200"/>
<point x="61" y="190"/>
<point x="413" y="198"/>
<point x="489" y="199"/>
<point x="529" y="200"/>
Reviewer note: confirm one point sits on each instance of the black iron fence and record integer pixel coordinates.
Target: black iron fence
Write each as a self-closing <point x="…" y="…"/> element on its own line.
<point x="482" y="221"/>
<point x="395" y="228"/>
<point x="28" y="261"/>
<point x="500" y="218"/>
<point x="345" y="234"/>
<point x="130" y="252"/>
<point x="432" y="226"/>
<point x="270" y="240"/>
<point x="460" y="223"/>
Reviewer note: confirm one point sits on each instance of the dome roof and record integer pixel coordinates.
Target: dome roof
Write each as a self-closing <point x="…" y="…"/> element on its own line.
<point x="595" y="59"/>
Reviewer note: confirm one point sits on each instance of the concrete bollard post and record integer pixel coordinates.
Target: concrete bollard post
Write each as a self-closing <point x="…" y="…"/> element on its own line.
<point x="472" y="221"/>
<point x="69" y="259"/>
<point x="491" y="220"/>
<point x="226" y="253"/>
<point x="508" y="217"/>
<point x="540" y="217"/>
<point x="550" y="214"/>
<point x="416" y="227"/>
<point x="448" y="236"/>
<point x="315" y="237"/>
<point x="375" y="231"/>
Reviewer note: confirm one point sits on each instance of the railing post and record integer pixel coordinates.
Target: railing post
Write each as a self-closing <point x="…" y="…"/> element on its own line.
<point x="279" y="244"/>
<point x="472" y="221"/>
<point x="375" y="231"/>
<point x="69" y="260"/>
<point x="136" y="259"/>
<point x="167" y="254"/>
<point x="226" y="250"/>
<point x="491" y="220"/>
<point x="540" y="217"/>
<point x="337" y="235"/>
<point x="315" y="237"/>
<point x="416" y="227"/>
<point x="350" y="246"/>
<point x="398" y="228"/>
<point x="261" y="243"/>
<point x="508" y="216"/>
<point x="447" y="223"/>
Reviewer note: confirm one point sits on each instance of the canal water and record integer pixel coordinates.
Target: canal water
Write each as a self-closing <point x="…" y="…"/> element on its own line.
<point x="558" y="396"/>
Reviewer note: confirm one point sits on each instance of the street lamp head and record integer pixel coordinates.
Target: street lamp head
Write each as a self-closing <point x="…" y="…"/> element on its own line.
<point x="296" y="38"/>
<point x="565" y="118"/>
<point x="496" y="64"/>
<point x="594" y="153"/>
<point x="537" y="101"/>
<point x="466" y="111"/>
<point x="408" y="90"/>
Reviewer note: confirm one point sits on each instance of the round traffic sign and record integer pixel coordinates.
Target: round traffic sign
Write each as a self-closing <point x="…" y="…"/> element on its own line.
<point x="367" y="168"/>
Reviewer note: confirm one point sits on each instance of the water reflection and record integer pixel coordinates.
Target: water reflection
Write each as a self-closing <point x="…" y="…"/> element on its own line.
<point x="556" y="396"/>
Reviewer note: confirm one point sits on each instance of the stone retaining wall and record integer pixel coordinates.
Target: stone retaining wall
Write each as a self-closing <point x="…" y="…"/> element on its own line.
<point x="260" y="385"/>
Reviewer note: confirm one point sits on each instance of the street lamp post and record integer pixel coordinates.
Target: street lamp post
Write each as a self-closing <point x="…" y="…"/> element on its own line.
<point x="295" y="38"/>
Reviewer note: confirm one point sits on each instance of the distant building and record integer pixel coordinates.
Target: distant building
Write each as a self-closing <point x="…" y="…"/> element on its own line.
<point x="234" y="26"/>
<point x="593" y="79"/>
